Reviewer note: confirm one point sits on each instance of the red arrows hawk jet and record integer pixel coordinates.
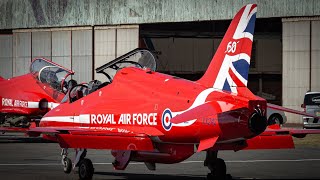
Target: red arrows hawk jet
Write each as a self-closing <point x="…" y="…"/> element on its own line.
<point x="30" y="96"/>
<point x="146" y="116"/>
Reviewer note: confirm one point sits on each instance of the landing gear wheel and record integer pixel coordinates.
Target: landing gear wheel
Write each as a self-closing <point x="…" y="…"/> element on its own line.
<point x="67" y="165"/>
<point x="86" y="169"/>
<point x="219" y="170"/>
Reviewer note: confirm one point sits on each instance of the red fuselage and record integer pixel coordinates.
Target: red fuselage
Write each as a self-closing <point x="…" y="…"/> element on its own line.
<point x="139" y="98"/>
<point x="22" y="94"/>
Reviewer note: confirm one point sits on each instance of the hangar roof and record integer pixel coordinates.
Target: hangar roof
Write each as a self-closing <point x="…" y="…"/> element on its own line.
<point x="16" y="14"/>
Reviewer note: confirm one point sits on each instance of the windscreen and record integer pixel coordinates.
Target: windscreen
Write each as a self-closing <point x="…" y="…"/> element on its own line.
<point x="312" y="99"/>
<point x="50" y="73"/>
<point x="140" y="58"/>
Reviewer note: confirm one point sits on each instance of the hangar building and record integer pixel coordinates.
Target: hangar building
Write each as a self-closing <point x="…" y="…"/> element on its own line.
<point x="84" y="34"/>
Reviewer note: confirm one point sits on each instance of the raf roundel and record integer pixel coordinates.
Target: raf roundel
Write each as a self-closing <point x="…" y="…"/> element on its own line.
<point x="165" y="120"/>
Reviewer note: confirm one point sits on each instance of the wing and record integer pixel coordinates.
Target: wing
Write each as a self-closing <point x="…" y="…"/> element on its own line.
<point x="276" y="107"/>
<point x="117" y="138"/>
<point x="13" y="129"/>
<point x="273" y="137"/>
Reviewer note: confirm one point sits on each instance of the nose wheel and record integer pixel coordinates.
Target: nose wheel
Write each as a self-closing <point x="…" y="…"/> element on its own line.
<point x="67" y="165"/>
<point x="85" y="165"/>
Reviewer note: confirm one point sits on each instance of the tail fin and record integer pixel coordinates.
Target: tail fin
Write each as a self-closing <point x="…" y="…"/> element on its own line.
<point x="229" y="66"/>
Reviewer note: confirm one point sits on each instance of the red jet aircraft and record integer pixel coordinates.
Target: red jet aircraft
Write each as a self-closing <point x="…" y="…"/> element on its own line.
<point x="150" y="117"/>
<point x="30" y="96"/>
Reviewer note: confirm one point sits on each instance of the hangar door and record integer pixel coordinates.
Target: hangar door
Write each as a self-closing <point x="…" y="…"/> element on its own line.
<point x="6" y="55"/>
<point x="81" y="49"/>
<point x="69" y="47"/>
<point x="111" y="42"/>
<point x="301" y="64"/>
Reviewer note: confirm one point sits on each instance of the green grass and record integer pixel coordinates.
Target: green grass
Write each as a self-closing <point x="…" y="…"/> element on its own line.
<point x="311" y="140"/>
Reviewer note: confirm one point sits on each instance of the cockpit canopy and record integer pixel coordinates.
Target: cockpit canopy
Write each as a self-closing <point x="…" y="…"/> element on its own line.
<point x="141" y="58"/>
<point x="49" y="73"/>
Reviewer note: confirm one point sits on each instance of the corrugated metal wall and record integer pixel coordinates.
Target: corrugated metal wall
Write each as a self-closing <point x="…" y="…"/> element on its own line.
<point x="69" y="47"/>
<point x="112" y="42"/>
<point x="6" y="56"/>
<point x="298" y="57"/>
<point x="82" y="55"/>
<point x="315" y="55"/>
<point x="41" y="44"/>
<point x="16" y="14"/>
<point x="105" y="48"/>
<point x="21" y="52"/>
<point x="61" y="47"/>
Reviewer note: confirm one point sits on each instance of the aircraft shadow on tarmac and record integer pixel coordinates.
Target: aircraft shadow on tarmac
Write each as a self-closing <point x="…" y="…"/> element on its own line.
<point x="11" y="139"/>
<point x="148" y="176"/>
<point x="113" y="175"/>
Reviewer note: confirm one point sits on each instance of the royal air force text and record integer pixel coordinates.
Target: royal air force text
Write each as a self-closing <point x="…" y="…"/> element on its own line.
<point x="131" y="119"/>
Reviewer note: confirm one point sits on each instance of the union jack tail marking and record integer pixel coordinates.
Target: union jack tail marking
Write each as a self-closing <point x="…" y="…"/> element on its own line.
<point x="229" y="66"/>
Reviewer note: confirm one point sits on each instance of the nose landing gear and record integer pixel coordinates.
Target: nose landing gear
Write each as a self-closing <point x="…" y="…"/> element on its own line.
<point x="85" y="166"/>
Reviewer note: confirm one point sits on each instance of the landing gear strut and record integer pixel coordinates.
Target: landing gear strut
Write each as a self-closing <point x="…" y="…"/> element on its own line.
<point x="216" y="165"/>
<point x="85" y="165"/>
<point x="66" y="162"/>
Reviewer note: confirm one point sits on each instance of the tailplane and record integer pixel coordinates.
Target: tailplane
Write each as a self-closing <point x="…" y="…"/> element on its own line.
<point x="229" y="66"/>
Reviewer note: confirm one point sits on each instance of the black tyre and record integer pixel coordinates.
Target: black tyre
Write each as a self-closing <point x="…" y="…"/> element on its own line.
<point x="275" y="119"/>
<point x="219" y="170"/>
<point x="67" y="167"/>
<point x="86" y="169"/>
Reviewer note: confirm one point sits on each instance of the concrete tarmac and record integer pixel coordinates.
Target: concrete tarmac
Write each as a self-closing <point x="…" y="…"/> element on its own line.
<point x="29" y="158"/>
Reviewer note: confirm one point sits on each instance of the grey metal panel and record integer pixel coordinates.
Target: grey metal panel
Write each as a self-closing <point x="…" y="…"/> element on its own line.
<point x="16" y="14"/>
<point x="61" y="48"/>
<point x="82" y="55"/>
<point x="6" y="56"/>
<point x="296" y="62"/>
<point x="105" y="48"/>
<point x="6" y="67"/>
<point x="21" y="53"/>
<point x="82" y="65"/>
<point x="315" y="56"/>
<point x="127" y="40"/>
<point x="41" y="44"/>
<point x="22" y="44"/>
<point x="21" y="66"/>
<point x="63" y="61"/>
<point x="82" y="42"/>
<point x="5" y="46"/>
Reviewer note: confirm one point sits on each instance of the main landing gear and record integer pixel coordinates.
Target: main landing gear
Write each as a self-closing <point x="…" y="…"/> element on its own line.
<point x="216" y="165"/>
<point x="85" y="166"/>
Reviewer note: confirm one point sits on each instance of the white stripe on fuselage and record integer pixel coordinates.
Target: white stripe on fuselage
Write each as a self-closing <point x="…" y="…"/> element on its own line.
<point x="51" y="105"/>
<point x="83" y="118"/>
<point x="200" y="99"/>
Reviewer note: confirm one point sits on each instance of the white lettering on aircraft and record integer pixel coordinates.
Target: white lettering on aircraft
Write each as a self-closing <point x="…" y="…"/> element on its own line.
<point x="127" y="119"/>
<point x="14" y="103"/>
<point x="231" y="47"/>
